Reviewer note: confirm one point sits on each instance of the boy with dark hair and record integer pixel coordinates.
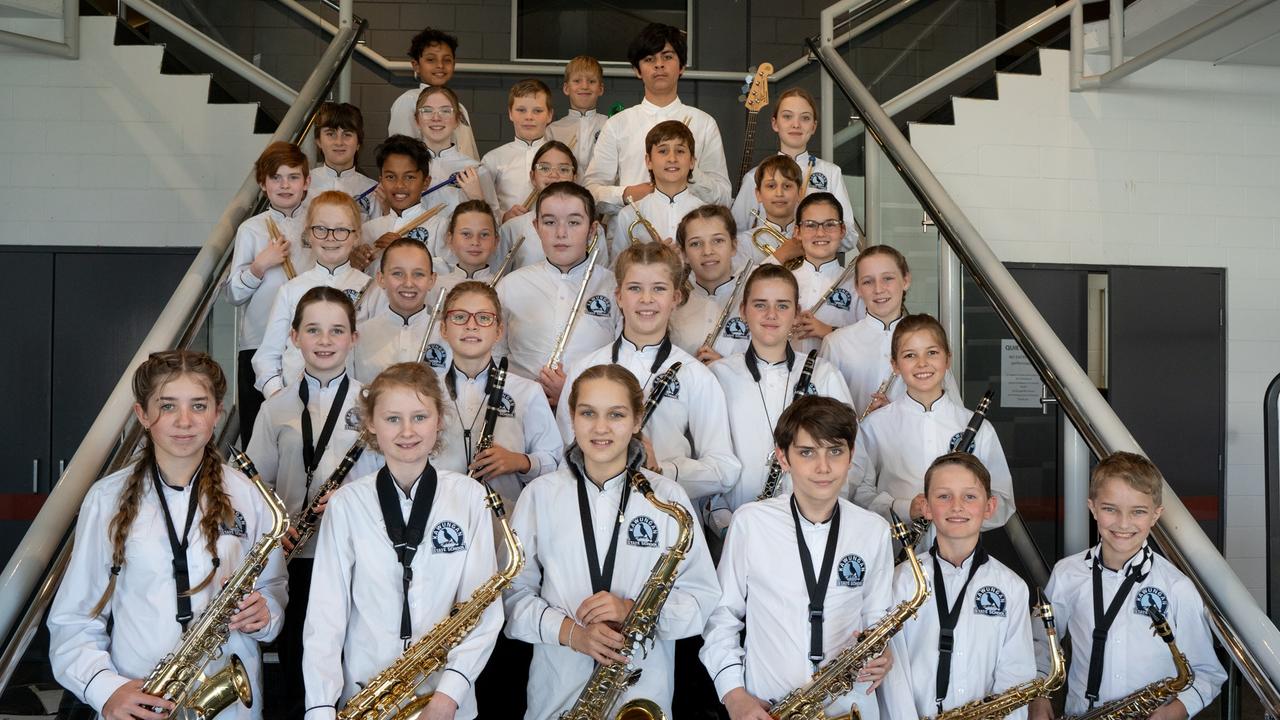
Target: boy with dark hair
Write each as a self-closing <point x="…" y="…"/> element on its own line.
<point x="617" y="169"/>
<point x="431" y="53"/>
<point x="339" y="134"/>
<point x="403" y="173"/>
<point x="669" y="155"/>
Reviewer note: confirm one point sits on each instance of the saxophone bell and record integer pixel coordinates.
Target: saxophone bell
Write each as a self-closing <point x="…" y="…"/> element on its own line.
<point x="222" y="690"/>
<point x="640" y="709"/>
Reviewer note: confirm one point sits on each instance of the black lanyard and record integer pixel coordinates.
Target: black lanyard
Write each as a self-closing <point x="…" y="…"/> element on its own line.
<point x="181" y="574"/>
<point x="601" y="577"/>
<point x="451" y="383"/>
<point x="817" y="586"/>
<point x="313" y="450"/>
<point x="948" y="615"/>
<point x="406" y="538"/>
<point x="751" y="358"/>
<point x="1102" y="621"/>
<point x="664" y="350"/>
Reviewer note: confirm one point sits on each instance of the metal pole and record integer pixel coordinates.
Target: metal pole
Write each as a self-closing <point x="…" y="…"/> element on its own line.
<point x="871" y="192"/>
<point x="1115" y="26"/>
<point x="951" y="305"/>
<point x="346" y="13"/>
<point x="1075" y="488"/>
<point x="1076" y="51"/>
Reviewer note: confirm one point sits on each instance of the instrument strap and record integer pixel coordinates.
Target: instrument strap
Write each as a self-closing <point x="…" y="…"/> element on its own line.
<point x="405" y="538"/>
<point x="181" y="573"/>
<point x="601" y="577"/>
<point x="451" y="384"/>
<point x="1102" y="620"/>
<point x="313" y="450"/>
<point x="817" y="586"/>
<point x="751" y="359"/>
<point x="664" y="350"/>
<point x="948" y="615"/>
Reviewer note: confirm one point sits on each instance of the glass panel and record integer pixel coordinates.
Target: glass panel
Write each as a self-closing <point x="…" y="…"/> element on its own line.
<point x="40" y="19"/>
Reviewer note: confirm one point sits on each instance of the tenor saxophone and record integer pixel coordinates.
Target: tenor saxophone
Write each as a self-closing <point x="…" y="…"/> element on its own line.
<point x="390" y="693"/>
<point x="838" y="676"/>
<point x="307" y="521"/>
<point x="179" y="677"/>
<point x="1000" y="705"/>
<point x="1141" y="703"/>
<point x="607" y="682"/>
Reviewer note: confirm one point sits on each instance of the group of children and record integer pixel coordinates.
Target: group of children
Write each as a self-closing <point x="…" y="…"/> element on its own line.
<point x="471" y="321"/>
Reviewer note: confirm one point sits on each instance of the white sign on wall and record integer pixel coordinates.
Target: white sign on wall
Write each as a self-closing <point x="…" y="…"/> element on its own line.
<point x="1019" y="382"/>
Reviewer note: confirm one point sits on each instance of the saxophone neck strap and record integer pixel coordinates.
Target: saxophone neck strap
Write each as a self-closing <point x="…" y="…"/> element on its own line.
<point x="601" y="577"/>
<point x="1102" y="620"/>
<point x="948" y="616"/>
<point x="313" y="448"/>
<point x="816" y="585"/>
<point x="181" y="572"/>
<point x="406" y="537"/>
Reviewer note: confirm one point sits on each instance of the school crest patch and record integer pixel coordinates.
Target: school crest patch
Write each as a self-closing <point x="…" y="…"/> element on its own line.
<point x="1150" y="598"/>
<point x="840" y="299"/>
<point x="507" y="408"/>
<point x="810" y="389"/>
<point x="599" y="305"/>
<point x="435" y="355"/>
<point x="955" y="440"/>
<point x="352" y="419"/>
<point x="237" y="526"/>
<point x="447" y="537"/>
<point x="737" y="329"/>
<point x="366" y="204"/>
<point x="990" y="601"/>
<point x="643" y="532"/>
<point x="353" y="294"/>
<point x="850" y="571"/>
<point x="672" y="390"/>
<point x="420" y="234"/>
<point x="817" y="180"/>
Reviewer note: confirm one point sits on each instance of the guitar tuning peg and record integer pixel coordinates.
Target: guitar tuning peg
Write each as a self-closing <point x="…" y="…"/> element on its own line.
<point x="753" y="69"/>
<point x="742" y="98"/>
<point x="746" y="89"/>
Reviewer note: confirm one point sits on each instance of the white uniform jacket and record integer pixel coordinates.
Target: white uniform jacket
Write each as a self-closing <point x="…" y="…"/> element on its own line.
<point x="823" y="176"/>
<point x="449" y="279"/>
<point x="617" y="161"/>
<point x="509" y="166"/>
<point x="690" y="428"/>
<point x="433" y="233"/>
<point x="993" y="649"/>
<point x="278" y="362"/>
<point x="691" y="322"/>
<point x="579" y="130"/>
<point x="861" y="353"/>
<point x="445" y="163"/>
<point x="1134" y="655"/>
<point x="664" y="211"/>
<point x="536" y="302"/>
<point x="255" y="293"/>
<point x="387" y="339"/>
<point x="754" y="409"/>
<point x="404" y="122"/>
<point x="524" y="425"/>
<point x="897" y="443"/>
<point x="356" y="596"/>
<point x="521" y="226"/>
<point x="763" y="589"/>
<point x="556" y="580"/>
<point x="842" y="306"/>
<point x="92" y="662"/>
<point x="276" y="445"/>
<point x="351" y="182"/>
<point x="747" y="249"/>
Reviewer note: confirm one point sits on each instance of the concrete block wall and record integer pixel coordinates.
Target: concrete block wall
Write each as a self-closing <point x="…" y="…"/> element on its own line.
<point x="1176" y="165"/>
<point x="105" y="150"/>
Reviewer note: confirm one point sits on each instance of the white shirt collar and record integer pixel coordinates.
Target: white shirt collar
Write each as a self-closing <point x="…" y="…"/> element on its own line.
<point x="326" y="272"/>
<point x="662" y="110"/>
<point x="315" y="383"/>
<point x="582" y="114"/>
<point x="296" y="212"/>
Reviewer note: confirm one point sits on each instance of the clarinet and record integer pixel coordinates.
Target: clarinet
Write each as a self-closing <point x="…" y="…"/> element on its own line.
<point x="774" y="477"/>
<point x="657" y="392"/>
<point x="497" y="380"/>
<point x="307" y="521"/>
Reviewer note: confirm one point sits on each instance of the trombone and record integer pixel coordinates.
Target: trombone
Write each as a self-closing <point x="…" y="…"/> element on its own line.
<point x="642" y="221"/>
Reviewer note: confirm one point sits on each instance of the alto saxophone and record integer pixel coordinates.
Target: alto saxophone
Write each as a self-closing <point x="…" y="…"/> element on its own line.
<point x="179" y="677"/>
<point x="838" y="676"/>
<point x="1000" y="705"/>
<point x="607" y="682"/>
<point x="307" y="520"/>
<point x="1141" y="703"/>
<point x="390" y="693"/>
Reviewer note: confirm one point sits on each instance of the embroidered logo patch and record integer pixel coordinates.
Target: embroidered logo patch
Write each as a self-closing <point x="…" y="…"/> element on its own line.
<point x="237" y="527"/>
<point x="352" y="419"/>
<point x="365" y="203"/>
<point x="420" y="234"/>
<point x="737" y="329"/>
<point x="508" y="406"/>
<point x="1150" y="598"/>
<point x="352" y="293"/>
<point x="672" y="390"/>
<point x="955" y="440"/>
<point x="851" y="571"/>
<point x="810" y="389"/>
<point x="599" y="306"/>
<point x="990" y="601"/>
<point x="817" y="180"/>
<point x="643" y="532"/>
<point x="447" y="537"/>
<point x="436" y="355"/>
<point x="840" y="299"/>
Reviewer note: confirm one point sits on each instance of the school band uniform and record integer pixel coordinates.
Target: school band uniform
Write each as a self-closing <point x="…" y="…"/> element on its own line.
<point x="841" y="306"/>
<point x="690" y="428"/>
<point x="861" y="352"/>
<point x="755" y="401"/>
<point x="403" y="121"/>
<point x="617" y="160"/>
<point x="819" y="176"/>
<point x="992" y="647"/>
<point x="256" y="294"/>
<point x="763" y="591"/>
<point x="350" y="181"/>
<point x="389" y="338"/>
<point x="530" y="252"/>
<point x="278" y="362"/>
<point x="93" y="656"/>
<point x="433" y="233"/>
<point x="545" y="298"/>
<point x="692" y="321"/>
<point x="747" y="249"/>
<point x="356" y="598"/>
<point x="509" y="166"/>
<point x="897" y="443"/>
<point x="579" y="129"/>
<point x="663" y="211"/>
<point x="449" y="279"/>
<point x="446" y="162"/>
<point x="1133" y="655"/>
<point x="556" y="579"/>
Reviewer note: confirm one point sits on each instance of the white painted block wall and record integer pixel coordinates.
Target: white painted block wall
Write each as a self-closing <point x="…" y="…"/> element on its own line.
<point x="1178" y="164"/>
<point x="104" y="150"/>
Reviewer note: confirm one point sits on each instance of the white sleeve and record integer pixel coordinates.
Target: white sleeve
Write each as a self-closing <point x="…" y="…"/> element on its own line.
<point x="711" y="174"/>
<point x="488" y="187"/>
<point x="467" y="658"/>
<point x="877" y="589"/>
<point x="863" y="476"/>
<point x="530" y="618"/>
<point x="991" y="454"/>
<point x="263" y="450"/>
<point x="328" y="611"/>
<point x="602" y="174"/>
<point x="79" y="642"/>
<point x="268" y="361"/>
<point x="836" y="186"/>
<point x="722" y="652"/>
<point x="241" y="282"/>
<point x="716" y="468"/>
<point x="401" y="117"/>
<point x="745" y="202"/>
<point x="832" y="384"/>
<point x="564" y="414"/>
<point x="542" y="441"/>
<point x="1016" y="660"/>
<point x="1191" y="628"/>
<point x="696" y="589"/>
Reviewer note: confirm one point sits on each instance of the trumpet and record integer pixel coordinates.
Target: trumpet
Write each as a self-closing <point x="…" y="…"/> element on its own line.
<point x="642" y="221"/>
<point x="884" y="388"/>
<point x="557" y="354"/>
<point x="277" y="237"/>
<point x="766" y="229"/>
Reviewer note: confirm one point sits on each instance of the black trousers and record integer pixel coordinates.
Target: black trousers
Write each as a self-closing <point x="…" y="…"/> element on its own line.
<point x="500" y="689"/>
<point x="289" y="644"/>
<point x="248" y="399"/>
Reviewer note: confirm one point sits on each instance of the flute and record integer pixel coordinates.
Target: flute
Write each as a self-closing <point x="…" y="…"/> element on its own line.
<point x="844" y="275"/>
<point x="709" y="343"/>
<point x="277" y="238"/>
<point x="502" y="269"/>
<point x="884" y="388"/>
<point x="431" y="325"/>
<point x="557" y="354"/>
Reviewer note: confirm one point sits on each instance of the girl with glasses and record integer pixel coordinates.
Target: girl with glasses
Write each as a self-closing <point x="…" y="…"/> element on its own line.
<point x="820" y="225"/>
<point x="438" y="115"/>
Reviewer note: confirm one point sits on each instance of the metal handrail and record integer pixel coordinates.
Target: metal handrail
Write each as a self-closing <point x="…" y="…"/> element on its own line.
<point x="1250" y="638"/>
<point x="31" y="576"/>
<point x="1271" y="478"/>
<point x="69" y="47"/>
